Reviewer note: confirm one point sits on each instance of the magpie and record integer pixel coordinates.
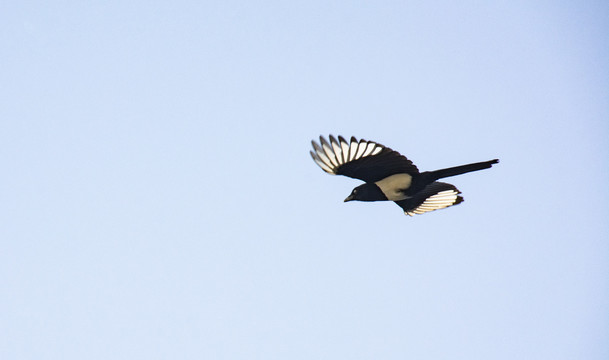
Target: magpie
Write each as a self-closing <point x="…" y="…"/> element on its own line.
<point x="389" y="175"/>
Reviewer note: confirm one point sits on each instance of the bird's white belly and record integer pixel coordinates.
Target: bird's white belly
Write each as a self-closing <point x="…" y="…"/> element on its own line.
<point x="392" y="186"/>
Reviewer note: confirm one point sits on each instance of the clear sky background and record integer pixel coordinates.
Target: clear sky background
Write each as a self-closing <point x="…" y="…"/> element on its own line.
<point x="158" y="200"/>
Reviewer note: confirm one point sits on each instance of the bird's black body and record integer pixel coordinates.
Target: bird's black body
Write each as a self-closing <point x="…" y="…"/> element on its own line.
<point x="388" y="175"/>
<point x="367" y="192"/>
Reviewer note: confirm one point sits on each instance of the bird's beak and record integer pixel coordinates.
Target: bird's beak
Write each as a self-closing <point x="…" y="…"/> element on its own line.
<point x="349" y="198"/>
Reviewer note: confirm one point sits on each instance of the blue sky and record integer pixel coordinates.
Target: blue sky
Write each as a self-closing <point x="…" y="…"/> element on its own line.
<point x="158" y="200"/>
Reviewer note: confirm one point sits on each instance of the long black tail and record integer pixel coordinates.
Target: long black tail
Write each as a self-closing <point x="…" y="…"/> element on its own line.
<point x="458" y="170"/>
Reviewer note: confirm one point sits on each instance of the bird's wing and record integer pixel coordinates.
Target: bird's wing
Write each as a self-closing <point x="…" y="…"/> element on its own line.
<point x="435" y="196"/>
<point x="364" y="160"/>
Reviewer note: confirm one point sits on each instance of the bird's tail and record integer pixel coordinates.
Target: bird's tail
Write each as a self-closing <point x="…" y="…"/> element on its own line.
<point x="458" y="170"/>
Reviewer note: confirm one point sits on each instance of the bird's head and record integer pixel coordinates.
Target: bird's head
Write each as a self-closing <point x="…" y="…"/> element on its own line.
<point x="366" y="192"/>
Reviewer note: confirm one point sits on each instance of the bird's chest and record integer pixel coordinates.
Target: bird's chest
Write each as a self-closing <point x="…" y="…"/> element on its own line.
<point x="394" y="186"/>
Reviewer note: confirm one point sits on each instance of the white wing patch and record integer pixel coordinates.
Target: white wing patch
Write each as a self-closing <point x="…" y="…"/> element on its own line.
<point x="352" y="150"/>
<point x="441" y="200"/>
<point x="361" y="147"/>
<point x="331" y="155"/>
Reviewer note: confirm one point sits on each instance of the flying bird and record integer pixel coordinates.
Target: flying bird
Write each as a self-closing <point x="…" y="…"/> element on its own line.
<point x="389" y="175"/>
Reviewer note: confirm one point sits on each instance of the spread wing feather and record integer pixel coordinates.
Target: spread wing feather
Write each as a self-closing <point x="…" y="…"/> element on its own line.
<point x="365" y="160"/>
<point x="435" y="196"/>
